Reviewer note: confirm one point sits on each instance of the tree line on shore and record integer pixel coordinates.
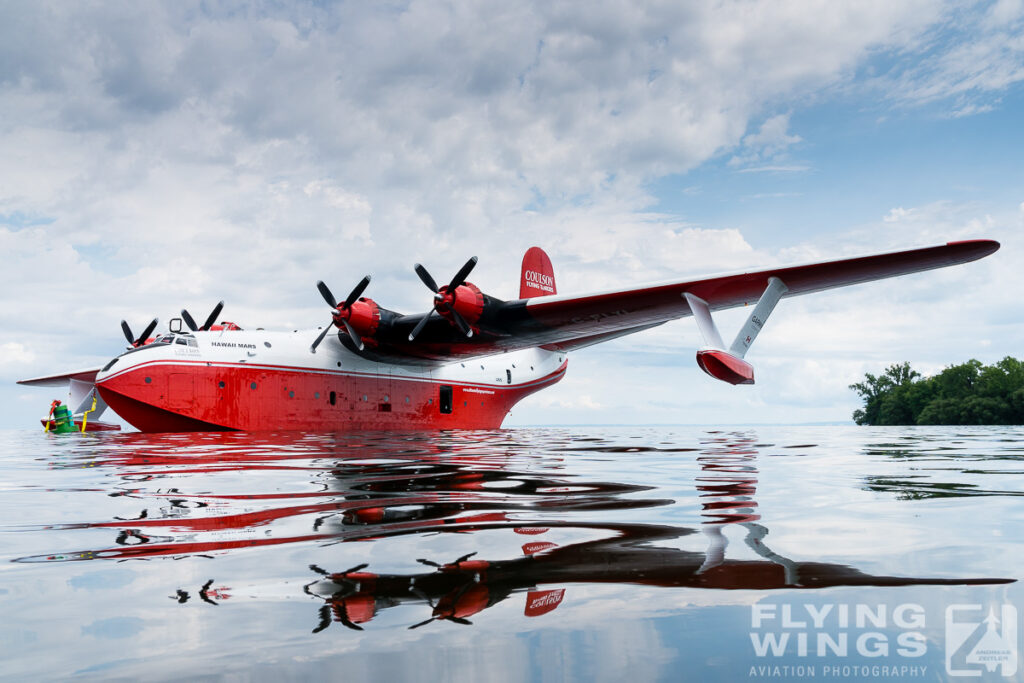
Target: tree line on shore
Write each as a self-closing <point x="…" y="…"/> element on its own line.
<point x="967" y="394"/>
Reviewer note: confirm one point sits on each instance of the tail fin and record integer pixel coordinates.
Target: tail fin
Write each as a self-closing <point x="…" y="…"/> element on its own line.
<point x="538" y="276"/>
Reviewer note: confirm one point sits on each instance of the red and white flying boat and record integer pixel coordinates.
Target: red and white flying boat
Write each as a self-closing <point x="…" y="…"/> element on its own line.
<point x="462" y="365"/>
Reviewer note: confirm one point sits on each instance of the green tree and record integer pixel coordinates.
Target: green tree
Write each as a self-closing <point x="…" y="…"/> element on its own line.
<point x="941" y="411"/>
<point x="876" y="392"/>
<point x="968" y="393"/>
<point x="872" y="390"/>
<point x="958" y="381"/>
<point x="1015" y="407"/>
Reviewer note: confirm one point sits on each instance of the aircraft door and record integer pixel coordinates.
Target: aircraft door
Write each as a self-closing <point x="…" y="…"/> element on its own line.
<point x="180" y="391"/>
<point x="445" y="399"/>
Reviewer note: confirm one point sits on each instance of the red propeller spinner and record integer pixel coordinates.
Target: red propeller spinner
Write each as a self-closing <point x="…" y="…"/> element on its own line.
<point x="459" y="302"/>
<point x="358" y="316"/>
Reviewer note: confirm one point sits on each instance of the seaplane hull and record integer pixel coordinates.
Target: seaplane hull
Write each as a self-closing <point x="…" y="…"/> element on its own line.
<point x="281" y="386"/>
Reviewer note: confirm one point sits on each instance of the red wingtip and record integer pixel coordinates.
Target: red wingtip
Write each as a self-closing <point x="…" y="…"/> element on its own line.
<point x="979" y="248"/>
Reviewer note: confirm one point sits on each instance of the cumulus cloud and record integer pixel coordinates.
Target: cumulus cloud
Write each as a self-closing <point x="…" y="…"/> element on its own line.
<point x="769" y="143"/>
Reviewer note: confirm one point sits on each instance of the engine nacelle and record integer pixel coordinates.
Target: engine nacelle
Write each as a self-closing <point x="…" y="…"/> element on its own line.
<point x="363" y="316"/>
<point x="725" y="366"/>
<point x="468" y="301"/>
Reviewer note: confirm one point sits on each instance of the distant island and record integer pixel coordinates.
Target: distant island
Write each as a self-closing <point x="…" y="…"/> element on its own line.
<point x="965" y="394"/>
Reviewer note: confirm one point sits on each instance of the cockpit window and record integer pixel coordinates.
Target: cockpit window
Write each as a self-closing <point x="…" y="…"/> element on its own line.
<point x="162" y="341"/>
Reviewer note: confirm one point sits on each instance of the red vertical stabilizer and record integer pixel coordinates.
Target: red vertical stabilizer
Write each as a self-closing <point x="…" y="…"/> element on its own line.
<point x="538" y="275"/>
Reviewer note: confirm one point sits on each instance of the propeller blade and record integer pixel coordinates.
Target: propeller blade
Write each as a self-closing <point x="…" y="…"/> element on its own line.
<point x="348" y="622"/>
<point x="326" y="294"/>
<point x="318" y="570"/>
<point x="460" y="277"/>
<point x="419" y="326"/>
<point x="422" y="623"/>
<point x="188" y="320"/>
<point x="325" y="619"/>
<point x="148" y="331"/>
<point x="461" y="323"/>
<point x="429" y="563"/>
<point x="352" y="334"/>
<point x="357" y="292"/>
<point x="464" y="558"/>
<point x="312" y="349"/>
<point x="425" y="277"/>
<point x="127" y="332"/>
<point x="460" y="620"/>
<point x="213" y="316"/>
<point x="356" y="568"/>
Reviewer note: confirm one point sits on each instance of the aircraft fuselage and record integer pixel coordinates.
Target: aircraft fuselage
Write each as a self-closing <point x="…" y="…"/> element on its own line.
<point x="263" y="380"/>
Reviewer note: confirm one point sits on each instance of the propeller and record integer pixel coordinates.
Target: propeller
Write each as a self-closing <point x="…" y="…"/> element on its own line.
<point x="456" y="563"/>
<point x="190" y="321"/>
<point x="444" y="298"/>
<point x="342" y="311"/>
<point x="440" y="617"/>
<point x="141" y="339"/>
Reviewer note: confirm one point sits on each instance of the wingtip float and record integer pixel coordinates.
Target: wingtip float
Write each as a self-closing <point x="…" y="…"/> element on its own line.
<point x="462" y="364"/>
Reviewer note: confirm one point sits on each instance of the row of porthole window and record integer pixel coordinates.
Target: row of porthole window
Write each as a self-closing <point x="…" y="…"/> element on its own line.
<point x="291" y="394"/>
<point x="482" y="367"/>
<point x="333" y="397"/>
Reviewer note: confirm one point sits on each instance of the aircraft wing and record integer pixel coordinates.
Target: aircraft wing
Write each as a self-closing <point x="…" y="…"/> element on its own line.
<point x="572" y="321"/>
<point x="573" y="317"/>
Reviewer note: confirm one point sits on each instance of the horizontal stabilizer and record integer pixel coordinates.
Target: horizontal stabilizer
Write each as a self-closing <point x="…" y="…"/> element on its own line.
<point x="62" y="380"/>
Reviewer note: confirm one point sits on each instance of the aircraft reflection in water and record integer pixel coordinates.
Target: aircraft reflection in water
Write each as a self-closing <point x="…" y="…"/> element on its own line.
<point x="379" y="487"/>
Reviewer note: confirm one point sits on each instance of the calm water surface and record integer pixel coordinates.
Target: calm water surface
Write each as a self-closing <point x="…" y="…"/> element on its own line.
<point x="611" y="554"/>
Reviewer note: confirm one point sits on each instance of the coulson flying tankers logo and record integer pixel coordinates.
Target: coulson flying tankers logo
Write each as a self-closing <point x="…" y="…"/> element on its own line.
<point x="539" y="280"/>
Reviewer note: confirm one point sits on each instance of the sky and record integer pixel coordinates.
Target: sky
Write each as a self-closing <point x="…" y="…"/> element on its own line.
<point x="160" y="156"/>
